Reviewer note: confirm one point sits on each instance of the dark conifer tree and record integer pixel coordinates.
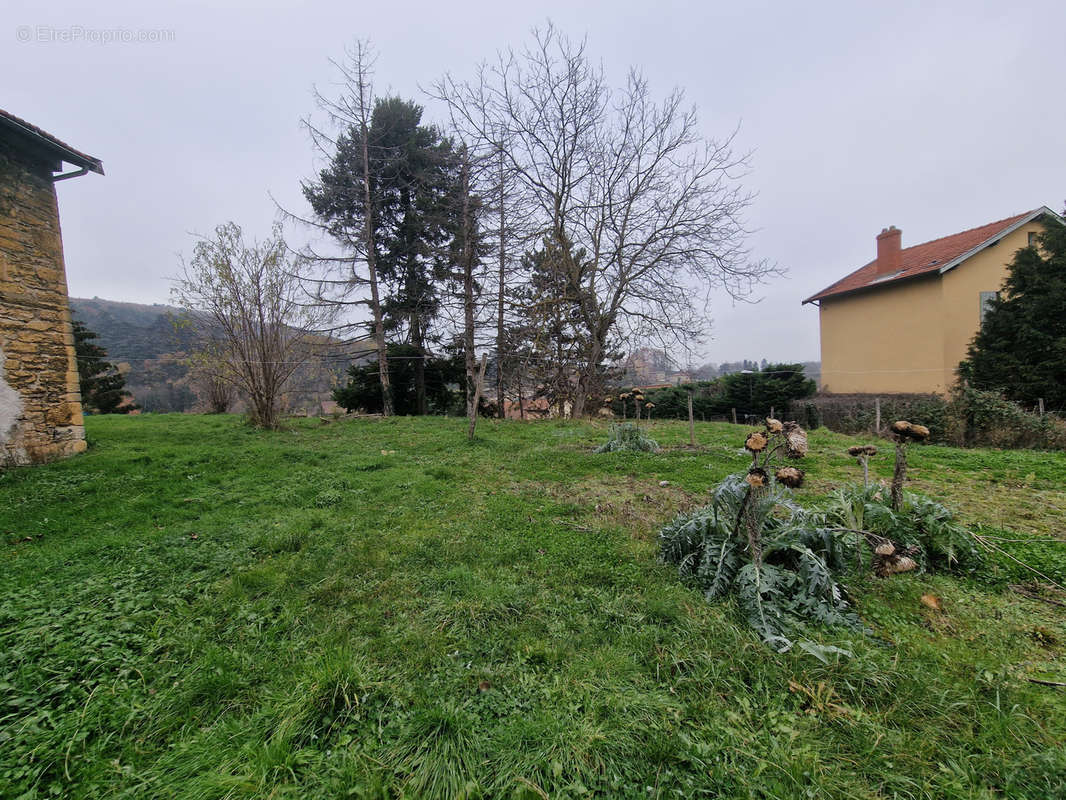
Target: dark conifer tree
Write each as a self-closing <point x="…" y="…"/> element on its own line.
<point x="443" y="378"/>
<point x="1020" y="349"/>
<point x="551" y="313"/>
<point x="103" y="387"/>
<point x="413" y="170"/>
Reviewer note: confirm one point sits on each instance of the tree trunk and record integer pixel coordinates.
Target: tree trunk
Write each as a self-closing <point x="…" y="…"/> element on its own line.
<point x="468" y="288"/>
<point x="477" y="398"/>
<point x="588" y="374"/>
<point x="500" y="294"/>
<point x="372" y="269"/>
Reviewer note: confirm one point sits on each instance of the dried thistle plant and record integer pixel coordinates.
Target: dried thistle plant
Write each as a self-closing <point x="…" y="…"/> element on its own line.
<point x="863" y="452"/>
<point x="776" y="438"/>
<point x="792" y="477"/>
<point x="903" y="432"/>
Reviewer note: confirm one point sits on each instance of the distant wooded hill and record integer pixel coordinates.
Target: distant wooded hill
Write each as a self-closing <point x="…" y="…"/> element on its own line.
<point x="149" y="345"/>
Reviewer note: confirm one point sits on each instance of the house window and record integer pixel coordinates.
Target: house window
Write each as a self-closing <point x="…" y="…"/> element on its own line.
<point x="986" y="302"/>
<point x="1032" y="238"/>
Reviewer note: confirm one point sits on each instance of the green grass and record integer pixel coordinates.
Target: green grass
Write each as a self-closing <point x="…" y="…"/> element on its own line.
<point x="194" y="609"/>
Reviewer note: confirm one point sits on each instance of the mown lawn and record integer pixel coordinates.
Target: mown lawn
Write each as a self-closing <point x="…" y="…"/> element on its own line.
<point x="193" y="609"/>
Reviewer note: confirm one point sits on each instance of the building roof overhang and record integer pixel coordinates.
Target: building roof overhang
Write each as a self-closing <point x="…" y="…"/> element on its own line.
<point x="48" y="146"/>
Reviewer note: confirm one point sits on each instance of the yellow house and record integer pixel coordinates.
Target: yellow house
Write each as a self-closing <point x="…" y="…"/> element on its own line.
<point x="902" y="323"/>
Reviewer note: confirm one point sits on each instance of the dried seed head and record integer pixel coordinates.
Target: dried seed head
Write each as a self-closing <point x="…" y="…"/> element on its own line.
<point x="904" y="564"/>
<point x="790" y="477"/>
<point x="900" y="427"/>
<point x="608" y="399"/>
<point x="896" y="563"/>
<point x="756" y="442"/>
<point x="870" y="450"/>
<point x="649" y="405"/>
<point x="757" y="477"/>
<point x="856" y="450"/>
<point x="774" y="425"/>
<point x="796" y="442"/>
<point x="918" y="432"/>
<point x="885" y="549"/>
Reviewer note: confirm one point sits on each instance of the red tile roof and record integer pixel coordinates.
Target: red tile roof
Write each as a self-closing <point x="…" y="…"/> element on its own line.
<point x="922" y="259"/>
<point x="60" y="149"/>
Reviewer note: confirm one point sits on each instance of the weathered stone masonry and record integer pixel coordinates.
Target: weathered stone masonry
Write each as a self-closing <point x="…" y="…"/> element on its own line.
<point x="40" y="406"/>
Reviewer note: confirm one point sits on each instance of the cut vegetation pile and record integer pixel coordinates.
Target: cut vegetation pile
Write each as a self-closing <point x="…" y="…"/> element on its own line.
<point x="628" y="436"/>
<point x="378" y="608"/>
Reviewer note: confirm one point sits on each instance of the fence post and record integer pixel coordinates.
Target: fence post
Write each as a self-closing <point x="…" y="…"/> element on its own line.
<point x="1040" y="405"/>
<point x="691" y="423"/>
<point x="734" y="415"/>
<point x="877" y="415"/>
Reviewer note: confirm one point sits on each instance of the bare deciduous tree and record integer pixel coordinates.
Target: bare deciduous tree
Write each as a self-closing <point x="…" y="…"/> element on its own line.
<point x="503" y="227"/>
<point x="467" y="258"/>
<point x="248" y="301"/>
<point x="630" y="182"/>
<point x="211" y="378"/>
<point x="348" y="213"/>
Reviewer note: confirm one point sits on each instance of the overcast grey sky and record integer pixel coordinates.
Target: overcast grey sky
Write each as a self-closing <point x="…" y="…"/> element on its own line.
<point x="933" y="117"/>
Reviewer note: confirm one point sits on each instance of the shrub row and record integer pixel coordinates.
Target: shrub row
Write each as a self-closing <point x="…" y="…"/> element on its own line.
<point x="856" y="413"/>
<point x="968" y="418"/>
<point x="976" y="418"/>
<point x="752" y="393"/>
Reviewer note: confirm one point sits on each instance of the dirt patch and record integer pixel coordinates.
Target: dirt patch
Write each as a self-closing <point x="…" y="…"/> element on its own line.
<point x="640" y="505"/>
<point x="1019" y="508"/>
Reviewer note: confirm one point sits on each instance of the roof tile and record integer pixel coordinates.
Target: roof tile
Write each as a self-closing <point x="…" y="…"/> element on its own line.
<point x="920" y="259"/>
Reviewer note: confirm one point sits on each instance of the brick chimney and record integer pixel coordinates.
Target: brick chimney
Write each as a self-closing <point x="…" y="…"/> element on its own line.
<point x="889" y="257"/>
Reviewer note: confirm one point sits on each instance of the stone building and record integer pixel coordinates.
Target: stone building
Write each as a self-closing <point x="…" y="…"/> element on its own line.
<point x="40" y="405"/>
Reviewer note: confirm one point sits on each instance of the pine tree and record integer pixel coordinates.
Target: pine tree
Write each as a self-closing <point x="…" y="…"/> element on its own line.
<point x="551" y="313"/>
<point x="1020" y="349"/>
<point x="413" y="170"/>
<point x="440" y="375"/>
<point x="103" y="387"/>
<point x="757" y="391"/>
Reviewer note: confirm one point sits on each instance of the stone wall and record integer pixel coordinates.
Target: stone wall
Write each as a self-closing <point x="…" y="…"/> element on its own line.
<point x="40" y="406"/>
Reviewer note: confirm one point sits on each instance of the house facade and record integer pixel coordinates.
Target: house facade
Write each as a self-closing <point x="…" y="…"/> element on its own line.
<point x="40" y="404"/>
<point x="903" y="322"/>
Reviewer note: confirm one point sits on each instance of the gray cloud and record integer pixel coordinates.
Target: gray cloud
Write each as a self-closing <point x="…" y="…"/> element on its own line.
<point x="931" y="119"/>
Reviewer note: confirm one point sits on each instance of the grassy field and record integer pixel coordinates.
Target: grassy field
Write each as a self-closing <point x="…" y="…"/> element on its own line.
<point x="378" y="608"/>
